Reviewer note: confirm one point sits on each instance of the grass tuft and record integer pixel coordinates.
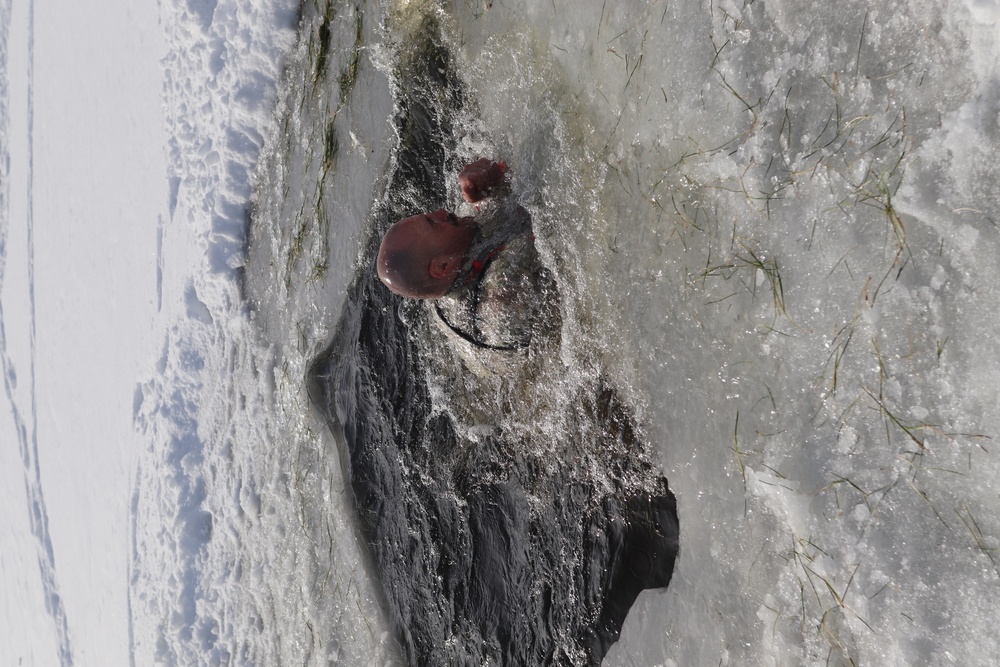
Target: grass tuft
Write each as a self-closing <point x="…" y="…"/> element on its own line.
<point x="977" y="535"/>
<point x="753" y="263"/>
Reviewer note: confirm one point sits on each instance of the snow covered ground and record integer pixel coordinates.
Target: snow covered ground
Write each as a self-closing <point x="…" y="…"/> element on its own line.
<point x="85" y="232"/>
<point x="777" y="222"/>
<point x="83" y="190"/>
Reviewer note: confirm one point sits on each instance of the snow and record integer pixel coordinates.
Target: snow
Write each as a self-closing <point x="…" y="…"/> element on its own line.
<point x="167" y="497"/>
<point x="87" y="184"/>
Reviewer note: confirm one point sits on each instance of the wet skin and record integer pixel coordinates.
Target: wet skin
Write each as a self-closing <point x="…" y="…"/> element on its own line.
<point x="438" y="240"/>
<point x="440" y="235"/>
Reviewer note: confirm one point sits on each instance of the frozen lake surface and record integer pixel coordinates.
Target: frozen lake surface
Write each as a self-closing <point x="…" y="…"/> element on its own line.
<point x="775" y="230"/>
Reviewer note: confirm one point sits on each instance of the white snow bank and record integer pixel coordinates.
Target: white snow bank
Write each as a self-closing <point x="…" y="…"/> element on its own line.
<point x="84" y="184"/>
<point x="220" y="72"/>
<point x="243" y="550"/>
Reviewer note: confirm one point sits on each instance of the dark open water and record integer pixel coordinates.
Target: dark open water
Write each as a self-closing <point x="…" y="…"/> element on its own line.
<point x="489" y="549"/>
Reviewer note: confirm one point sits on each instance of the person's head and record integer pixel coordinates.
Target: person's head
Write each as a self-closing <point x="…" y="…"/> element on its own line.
<point x="421" y="255"/>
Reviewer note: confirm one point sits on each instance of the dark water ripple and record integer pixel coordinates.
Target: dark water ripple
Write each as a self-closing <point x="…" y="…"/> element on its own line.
<point x="487" y="552"/>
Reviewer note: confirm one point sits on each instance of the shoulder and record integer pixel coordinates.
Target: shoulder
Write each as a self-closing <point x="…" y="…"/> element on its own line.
<point x="513" y="271"/>
<point x="516" y="294"/>
<point x="504" y="218"/>
<point x="510" y="305"/>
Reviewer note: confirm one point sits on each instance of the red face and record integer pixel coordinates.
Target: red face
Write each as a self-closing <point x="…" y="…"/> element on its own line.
<point x="437" y="242"/>
<point x="436" y="233"/>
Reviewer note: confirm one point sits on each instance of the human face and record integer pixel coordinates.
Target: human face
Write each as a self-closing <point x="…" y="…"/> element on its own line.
<point x="420" y="256"/>
<point x="439" y="232"/>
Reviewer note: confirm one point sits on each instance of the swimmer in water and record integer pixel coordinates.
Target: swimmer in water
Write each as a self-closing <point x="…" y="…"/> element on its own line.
<point x="428" y="255"/>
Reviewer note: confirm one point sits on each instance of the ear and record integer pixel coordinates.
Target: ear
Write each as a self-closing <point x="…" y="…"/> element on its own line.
<point x="441" y="266"/>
